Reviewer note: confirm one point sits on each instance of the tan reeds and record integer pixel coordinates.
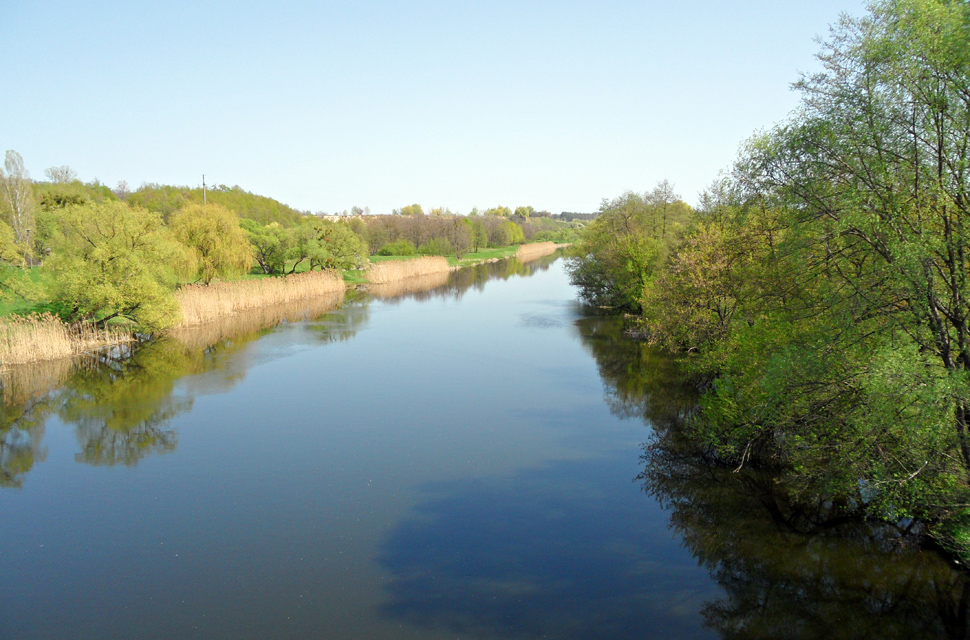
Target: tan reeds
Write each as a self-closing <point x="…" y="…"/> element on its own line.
<point x="409" y="285"/>
<point x="534" y="250"/>
<point x="204" y="303"/>
<point x="247" y="323"/>
<point x="45" y="337"/>
<point x="394" y="270"/>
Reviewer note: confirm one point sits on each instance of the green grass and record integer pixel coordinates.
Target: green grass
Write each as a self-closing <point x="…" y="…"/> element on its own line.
<point x="467" y="259"/>
<point x="15" y="304"/>
<point x="485" y="254"/>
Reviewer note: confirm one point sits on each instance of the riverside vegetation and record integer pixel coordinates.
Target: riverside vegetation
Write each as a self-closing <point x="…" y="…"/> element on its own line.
<point x="821" y="286"/>
<point x="111" y="263"/>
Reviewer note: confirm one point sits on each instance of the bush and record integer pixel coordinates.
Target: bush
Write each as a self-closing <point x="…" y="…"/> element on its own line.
<point x="399" y="247"/>
<point x="436" y="247"/>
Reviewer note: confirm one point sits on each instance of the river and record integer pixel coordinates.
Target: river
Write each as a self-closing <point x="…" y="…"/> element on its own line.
<point x="482" y="459"/>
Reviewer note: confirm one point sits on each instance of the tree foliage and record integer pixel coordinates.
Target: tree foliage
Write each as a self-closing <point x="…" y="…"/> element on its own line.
<point x="825" y="283"/>
<point x="213" y="234"/>
<point x="270" y="243"/>
<point x="621" y="251"/>
<point x="113" y="261"/>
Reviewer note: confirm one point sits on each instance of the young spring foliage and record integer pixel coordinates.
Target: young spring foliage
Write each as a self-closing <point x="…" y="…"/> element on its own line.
<point x="113" y="261"/>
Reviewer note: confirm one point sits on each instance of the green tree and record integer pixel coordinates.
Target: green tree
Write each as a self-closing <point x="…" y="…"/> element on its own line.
<point x="619" y="253"/>
<point x="875" y="168"/>
<point x="212" y="232"/>
<point x="500" y="211"/>
<point x="460" y="235"/>
<point x="112" y="261"/>
<point x="840" y="265"/>
<point x="271" y="244"/>
<point x="412" y="210"/>
<point x="479" y="234"/>
<point x="342" y="248"/>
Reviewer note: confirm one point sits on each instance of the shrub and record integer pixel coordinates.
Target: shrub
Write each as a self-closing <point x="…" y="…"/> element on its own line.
<point x="400" y="247"/>
<point x="436" y="247"/>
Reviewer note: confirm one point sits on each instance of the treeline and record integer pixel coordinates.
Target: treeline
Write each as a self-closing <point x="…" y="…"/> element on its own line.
<point x="109" y="255"/>
<point x="823" y="284"/>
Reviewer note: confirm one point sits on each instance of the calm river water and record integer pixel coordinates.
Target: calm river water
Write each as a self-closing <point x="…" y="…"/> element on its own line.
<point x="463" y="462"/>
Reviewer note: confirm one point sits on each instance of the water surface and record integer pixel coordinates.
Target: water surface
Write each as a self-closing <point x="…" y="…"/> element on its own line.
<point x="462" y="461"/>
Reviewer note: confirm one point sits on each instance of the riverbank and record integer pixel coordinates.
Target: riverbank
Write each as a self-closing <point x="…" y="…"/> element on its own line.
<point x="45" y="337"/>
<point x="534" y="251"/>
<point x="204" y="303"/>
<point x="38" y="338"/>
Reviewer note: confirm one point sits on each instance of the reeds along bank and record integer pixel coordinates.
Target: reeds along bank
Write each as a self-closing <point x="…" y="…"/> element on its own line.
<point x="534" y="250"/>
<point x="250" y="322"/>
<point x="394" y="270"/>
<point x="409" y="285"/>
<point x="203" y="303"/>
<point x="45" y="337"/>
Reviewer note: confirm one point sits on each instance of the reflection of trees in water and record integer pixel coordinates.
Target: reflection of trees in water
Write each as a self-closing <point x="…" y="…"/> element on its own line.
<point x="121" y="407"/>
<point x="786" y="573"/>
<point x="640" y="381"/>
<point x="455" y="283"/>
<point x="25" y="404"/>
<point x="342" y="324"/>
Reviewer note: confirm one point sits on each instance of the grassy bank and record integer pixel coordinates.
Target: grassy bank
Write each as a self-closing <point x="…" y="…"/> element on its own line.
<point x="40" y="337"/>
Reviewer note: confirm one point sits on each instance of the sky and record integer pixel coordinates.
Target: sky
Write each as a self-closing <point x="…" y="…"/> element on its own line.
<point x="328" y="105"/>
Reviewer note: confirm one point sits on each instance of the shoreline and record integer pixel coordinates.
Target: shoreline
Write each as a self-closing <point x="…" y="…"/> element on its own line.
<point x="33" y="339"/>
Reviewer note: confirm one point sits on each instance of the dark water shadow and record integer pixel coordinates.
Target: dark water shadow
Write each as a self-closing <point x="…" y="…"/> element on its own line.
<point x="791" y="575"/>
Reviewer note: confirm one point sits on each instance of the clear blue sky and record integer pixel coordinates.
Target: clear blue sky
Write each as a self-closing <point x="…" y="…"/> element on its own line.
<point x="327" y="105"/>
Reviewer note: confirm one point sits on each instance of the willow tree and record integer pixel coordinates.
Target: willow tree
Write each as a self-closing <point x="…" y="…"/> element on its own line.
<point x="213" y="233"/>
<point x="112" y="261"/>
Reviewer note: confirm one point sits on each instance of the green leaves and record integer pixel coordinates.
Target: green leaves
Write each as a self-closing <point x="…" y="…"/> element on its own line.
<point x="111" y="261"/>
<point x="213" y="234"/>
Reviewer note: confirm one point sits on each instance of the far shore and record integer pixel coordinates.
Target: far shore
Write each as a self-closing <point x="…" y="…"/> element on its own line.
<point x="45" y="338"/>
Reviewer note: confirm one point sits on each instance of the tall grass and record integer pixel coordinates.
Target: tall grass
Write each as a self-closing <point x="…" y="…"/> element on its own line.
<point x="204" y="303"/>
<point x="45" y="337"/>
<point x="534" y="250"/>
<point x="409" y="285"/>
<point x="394" y="270"/>
<point x="249" y="322"/>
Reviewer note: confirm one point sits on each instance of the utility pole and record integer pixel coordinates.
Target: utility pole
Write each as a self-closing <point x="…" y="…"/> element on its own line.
<point x="203" y="190"/>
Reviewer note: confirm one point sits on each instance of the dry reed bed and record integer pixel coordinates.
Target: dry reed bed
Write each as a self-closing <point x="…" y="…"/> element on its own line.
<point x="45" y="337"/>
<point x="394" y="270"/>
<point x="204" y="303"/>
<point x="534" y="250"/>
<point x="249" y="322"/>
<point x="409" y="285"/>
